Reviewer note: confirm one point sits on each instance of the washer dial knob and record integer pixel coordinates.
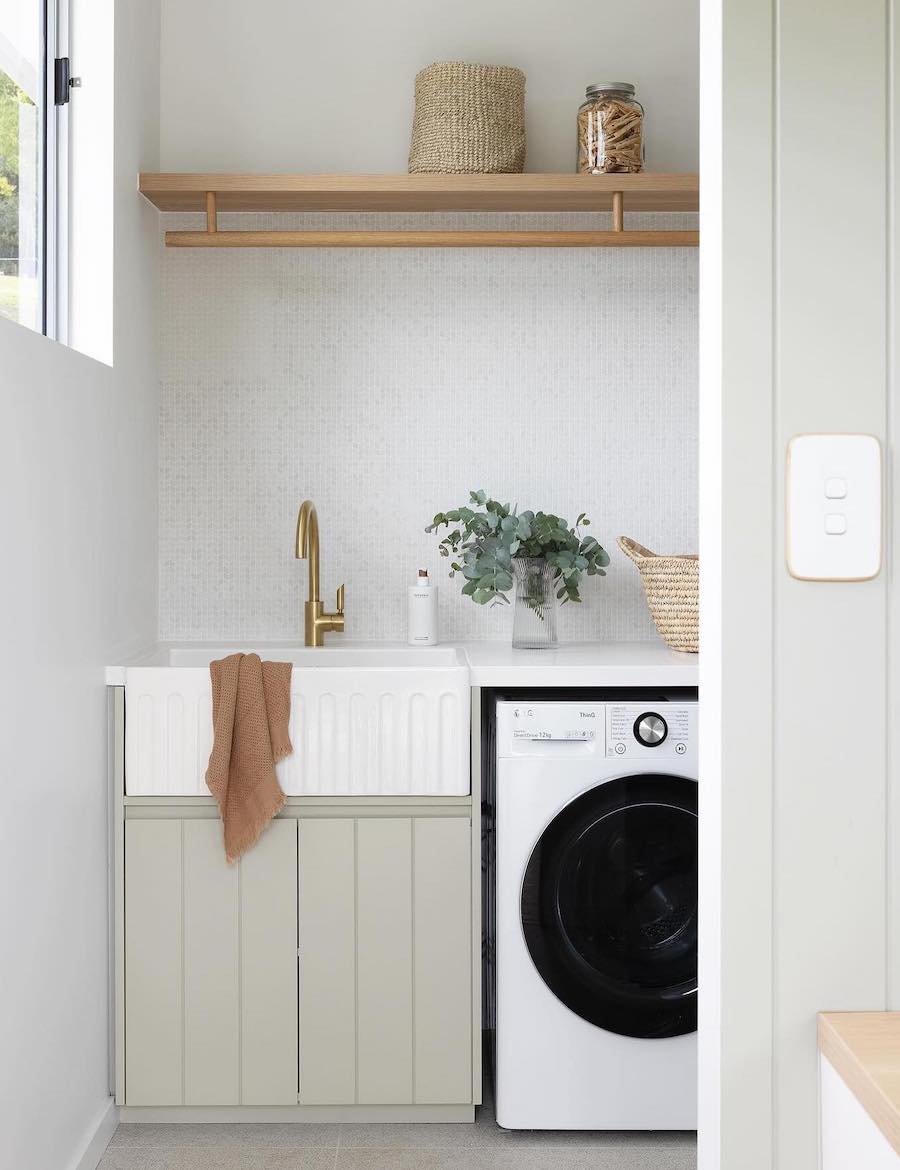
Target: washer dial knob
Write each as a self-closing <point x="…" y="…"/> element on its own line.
<point x="650" y="729"/>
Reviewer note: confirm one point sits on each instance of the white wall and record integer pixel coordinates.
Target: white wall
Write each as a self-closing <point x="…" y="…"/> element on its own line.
<point x="387" y="384"/>
<point x="78" y="588"/>
<point x="284" y="86"/>
<point x="804" y="906"/>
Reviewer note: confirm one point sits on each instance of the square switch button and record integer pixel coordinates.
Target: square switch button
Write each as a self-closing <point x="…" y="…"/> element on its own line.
<point x="836" y="524"/>
<point x="835" y="489"/>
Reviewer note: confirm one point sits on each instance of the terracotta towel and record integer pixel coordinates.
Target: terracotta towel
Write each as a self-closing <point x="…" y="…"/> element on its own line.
<point x="251" y="705"/>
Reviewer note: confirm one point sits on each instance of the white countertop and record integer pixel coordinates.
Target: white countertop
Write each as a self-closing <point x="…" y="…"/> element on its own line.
<point x="581" y="664"/>
<point x="496" y="664"/>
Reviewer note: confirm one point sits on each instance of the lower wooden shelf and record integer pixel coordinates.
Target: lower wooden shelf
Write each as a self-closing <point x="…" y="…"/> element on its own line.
<point x="439" y="239"/>
<point x="490" y="192"/>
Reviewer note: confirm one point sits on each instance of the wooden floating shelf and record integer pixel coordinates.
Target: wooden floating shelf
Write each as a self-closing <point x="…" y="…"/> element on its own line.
<point x="213" y="194"/>
<point x="349" y="193"/>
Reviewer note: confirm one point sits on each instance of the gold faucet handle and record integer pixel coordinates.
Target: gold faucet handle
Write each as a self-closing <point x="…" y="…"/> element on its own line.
<point x="340" y="599"/>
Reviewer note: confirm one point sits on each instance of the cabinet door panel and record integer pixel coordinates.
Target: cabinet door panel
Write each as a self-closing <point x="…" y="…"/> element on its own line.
<point x="153" y="963"/>
<point x="212" y="995"/>
<point x="327" y="899"/>
<point x="443" y="960"/>
<point x="269" y="968"/>
<point x="384" y="961"/>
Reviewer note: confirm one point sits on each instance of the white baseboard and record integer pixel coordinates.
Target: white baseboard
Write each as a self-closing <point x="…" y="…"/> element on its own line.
<point x="101" y="1131"/>
<point x="211" y="1114"/>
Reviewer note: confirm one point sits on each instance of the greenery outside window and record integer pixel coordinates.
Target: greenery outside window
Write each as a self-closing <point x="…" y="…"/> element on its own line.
<point x="29" y="215"/>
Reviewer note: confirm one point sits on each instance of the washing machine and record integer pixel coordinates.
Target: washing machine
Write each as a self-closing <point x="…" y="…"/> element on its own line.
<point x="596" y="914"/>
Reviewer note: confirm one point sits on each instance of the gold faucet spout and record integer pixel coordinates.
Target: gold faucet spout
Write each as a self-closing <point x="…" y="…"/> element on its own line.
<point x="317" y="622"/>
<point x="308" y="544"/>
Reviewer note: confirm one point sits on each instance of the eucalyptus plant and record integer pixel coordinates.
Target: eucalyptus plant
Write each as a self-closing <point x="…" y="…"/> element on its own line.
<point x="486" y="537"/>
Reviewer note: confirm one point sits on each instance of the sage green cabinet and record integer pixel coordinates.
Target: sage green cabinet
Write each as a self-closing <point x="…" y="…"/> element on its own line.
<point x="332" y="966"/>
<point x="210" y="966"/>
<point x="385" y="961"/>
<point x="154" y="968"/>
<point x="327" y="901"/>
<point x="442" y="961"/>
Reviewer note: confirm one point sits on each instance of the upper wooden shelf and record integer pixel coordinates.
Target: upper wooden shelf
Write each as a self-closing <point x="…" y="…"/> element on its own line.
<point x="349" y="193"/>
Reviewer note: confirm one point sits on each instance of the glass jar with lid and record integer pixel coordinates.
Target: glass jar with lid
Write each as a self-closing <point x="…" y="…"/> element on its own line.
<point x="610" y="130"/>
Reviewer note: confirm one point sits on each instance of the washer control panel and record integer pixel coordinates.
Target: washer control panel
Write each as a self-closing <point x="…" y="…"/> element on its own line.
<point x="644" y="731"/>
<point x="648" y="732"/>
<point x="525" y="727"/>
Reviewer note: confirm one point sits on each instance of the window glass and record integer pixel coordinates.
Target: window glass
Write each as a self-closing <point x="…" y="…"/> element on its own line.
<point x="21" y="90"/>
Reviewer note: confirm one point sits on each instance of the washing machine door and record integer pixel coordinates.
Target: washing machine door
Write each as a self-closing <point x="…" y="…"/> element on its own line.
<point x="609" y="906"/>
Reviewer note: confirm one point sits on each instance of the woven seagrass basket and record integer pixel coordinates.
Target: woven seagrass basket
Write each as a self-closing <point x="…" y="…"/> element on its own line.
<point x="469" y="120"/>
<point x="672" y="588"/>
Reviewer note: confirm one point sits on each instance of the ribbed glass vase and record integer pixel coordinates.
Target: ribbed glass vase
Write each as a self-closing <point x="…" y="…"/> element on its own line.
<point x="534" y="619"/>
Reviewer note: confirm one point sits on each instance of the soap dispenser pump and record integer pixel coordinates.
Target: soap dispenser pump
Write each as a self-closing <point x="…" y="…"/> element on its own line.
<point x="423" y="624"/>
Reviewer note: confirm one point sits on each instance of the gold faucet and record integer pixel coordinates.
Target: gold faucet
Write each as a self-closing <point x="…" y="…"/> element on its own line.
<point x="317" y="622"/>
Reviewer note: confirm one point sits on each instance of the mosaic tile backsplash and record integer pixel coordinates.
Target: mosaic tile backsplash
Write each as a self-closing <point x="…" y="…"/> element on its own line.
<point x="384" y="384"/>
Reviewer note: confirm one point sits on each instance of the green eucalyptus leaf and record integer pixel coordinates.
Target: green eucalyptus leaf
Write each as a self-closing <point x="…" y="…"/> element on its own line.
<point x="485" y="542"/>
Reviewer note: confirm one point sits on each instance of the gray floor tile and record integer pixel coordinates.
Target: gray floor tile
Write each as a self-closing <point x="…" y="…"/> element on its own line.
<point x="647" y="1157"/>
<point x="399" y="1136"/>
<point x="217" y="1158"/>
<point x="138" y="1159"/>
<point x="391" y="1146"/>
<point x="485" y="1134"/>
<point x="293" y="1160"/>
<point x="246" y="1135"/>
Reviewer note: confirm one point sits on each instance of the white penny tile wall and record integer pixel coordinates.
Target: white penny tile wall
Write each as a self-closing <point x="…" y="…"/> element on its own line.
<point x="384" y="384"/>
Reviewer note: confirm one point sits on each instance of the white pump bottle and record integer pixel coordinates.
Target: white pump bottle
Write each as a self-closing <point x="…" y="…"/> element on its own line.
<point x="423" y="614"/>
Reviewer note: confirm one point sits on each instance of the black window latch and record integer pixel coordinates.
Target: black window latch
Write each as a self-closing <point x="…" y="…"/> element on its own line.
<point x="63" y="81"/>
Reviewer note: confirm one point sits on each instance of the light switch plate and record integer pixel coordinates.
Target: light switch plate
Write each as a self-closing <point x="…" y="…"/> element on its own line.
<point x="834" y="535"/>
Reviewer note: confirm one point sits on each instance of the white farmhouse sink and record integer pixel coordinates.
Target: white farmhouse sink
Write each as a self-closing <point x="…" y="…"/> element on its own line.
<point x="373" y="656"/>
<point x="366" y="720"/>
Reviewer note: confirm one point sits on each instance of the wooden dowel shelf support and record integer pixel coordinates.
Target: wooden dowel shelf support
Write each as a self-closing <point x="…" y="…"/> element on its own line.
<point x="618" y="237"/>
<point x="618" y="211"/>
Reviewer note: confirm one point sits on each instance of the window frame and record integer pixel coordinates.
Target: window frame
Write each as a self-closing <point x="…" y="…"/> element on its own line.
<point x="50" y="160"/>
<point x="54" y="185"/>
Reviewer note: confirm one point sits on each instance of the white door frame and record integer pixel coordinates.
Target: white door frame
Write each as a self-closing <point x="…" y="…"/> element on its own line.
<point x="735" y="1124"/>
<point x="798" y="836"/>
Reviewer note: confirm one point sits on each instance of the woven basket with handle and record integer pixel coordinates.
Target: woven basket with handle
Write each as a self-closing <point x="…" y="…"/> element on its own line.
<point x="469" y="120"/>
<point x="672" y="588"/>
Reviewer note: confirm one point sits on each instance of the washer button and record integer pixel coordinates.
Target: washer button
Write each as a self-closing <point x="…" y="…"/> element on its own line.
<point x="620" y="749"/>
<point x="680" y="749"/>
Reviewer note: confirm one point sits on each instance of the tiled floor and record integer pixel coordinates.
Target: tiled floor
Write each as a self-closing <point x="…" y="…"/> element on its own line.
<point x="482" y="1146"/>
